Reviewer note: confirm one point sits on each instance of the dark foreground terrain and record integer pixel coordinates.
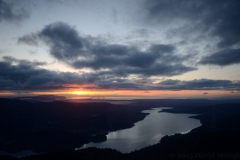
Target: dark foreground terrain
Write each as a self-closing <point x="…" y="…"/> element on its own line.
<point x="56" y="126"/>
<point x="217" y="138"/>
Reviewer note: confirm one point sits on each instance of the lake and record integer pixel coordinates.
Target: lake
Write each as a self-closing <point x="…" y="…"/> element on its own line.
<point x="148" y="131"/>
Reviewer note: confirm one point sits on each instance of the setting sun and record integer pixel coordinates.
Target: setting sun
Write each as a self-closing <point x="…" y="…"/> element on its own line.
<point x="78" y="92"/>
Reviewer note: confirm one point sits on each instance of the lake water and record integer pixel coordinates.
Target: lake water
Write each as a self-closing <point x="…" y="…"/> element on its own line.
<point x="148" y="131"/>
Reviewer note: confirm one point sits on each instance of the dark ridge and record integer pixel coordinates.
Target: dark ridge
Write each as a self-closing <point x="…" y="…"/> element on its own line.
<point x="56" y="126"/>
<point x="42" y="98"/>
<point x="217" y="138"/>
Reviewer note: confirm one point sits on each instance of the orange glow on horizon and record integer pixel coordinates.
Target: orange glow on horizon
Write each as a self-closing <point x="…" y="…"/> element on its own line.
<point x="77" y="92"/>
<point x="154" y="94"/>
<point x="3" y="94"/>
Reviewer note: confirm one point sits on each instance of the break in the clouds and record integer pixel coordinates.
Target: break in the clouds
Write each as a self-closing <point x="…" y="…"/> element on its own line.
<point x="216" y="18"/>
<point x="9" y="11"/>
<point x="80" y="52"/>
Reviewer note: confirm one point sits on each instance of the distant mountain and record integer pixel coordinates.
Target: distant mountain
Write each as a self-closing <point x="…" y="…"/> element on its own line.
<point x="42" y="98"/>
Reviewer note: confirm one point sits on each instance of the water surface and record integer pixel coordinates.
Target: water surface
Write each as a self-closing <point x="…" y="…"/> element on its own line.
<point x="148" y="131"/>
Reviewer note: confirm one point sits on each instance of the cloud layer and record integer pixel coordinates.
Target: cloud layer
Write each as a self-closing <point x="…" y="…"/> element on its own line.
<point x="10" y="12"/>
<point x="127" y="64"/>
<point x="223" y="57"/>
<point x="80" y="52"/>
<point x="200" y="84"/>
<point x="215" y="18"/>
<point x="17" y="75"/>
<point x="26" y="75"/>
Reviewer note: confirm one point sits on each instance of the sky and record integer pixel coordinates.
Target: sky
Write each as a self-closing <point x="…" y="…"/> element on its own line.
<point x="120" y="49"/>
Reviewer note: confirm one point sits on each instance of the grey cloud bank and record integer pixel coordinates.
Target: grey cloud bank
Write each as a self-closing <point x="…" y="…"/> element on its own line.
<point x="214" y="18"/>
<point x="223" y="57"/>
<point x="26" y="75"/>
<point x="129" y="65"/>
<point x="79" y="52"/>
<point x="200" y="84"/>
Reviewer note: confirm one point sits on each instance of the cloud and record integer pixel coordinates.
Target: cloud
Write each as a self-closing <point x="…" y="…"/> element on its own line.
<point x="81" y="51"/>
<point x="170" y="82"/>
<point x="218" y="19"/>
<point x="23" y="62"/>
<point x="11" y="12"/>
<point x="115" y="15"/>
<point x="199" y="84"/>
<point x="142" y="81"/>
<point x="139" y="33"/>
<point x="122" y="85"/>
<point x="64" y="41"/>
<point x="222" y="58"/>
<point x="154" y="70"/>
<point x="18" y="75"/>
<point x="30" y="39"/>
<point x="25" y="75"/>
<point x="205" y="93"/>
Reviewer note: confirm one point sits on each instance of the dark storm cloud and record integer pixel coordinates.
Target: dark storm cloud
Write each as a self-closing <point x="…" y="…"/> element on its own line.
<point x="64" y="41"/>
<point x="25" y="75"/>
<point x="130" y="59"/>
<point x="110" y="49"/>
<point x="140" y="60"/>
<point x="221" y="17"/>
<point x="161" y="48"/>
<point x="200" y="84"/>
<point x="79" y="51"/>
<point x="10" y="12"/>
<point x="197" y="84"/>
<point x="17" y="75"/>
<point x="97" y="63"/>
<point x="223" y="58"/>
<point x="216" y="18"/>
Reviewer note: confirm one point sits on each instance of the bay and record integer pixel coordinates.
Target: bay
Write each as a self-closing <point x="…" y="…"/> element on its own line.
<point x="148" y="131"/>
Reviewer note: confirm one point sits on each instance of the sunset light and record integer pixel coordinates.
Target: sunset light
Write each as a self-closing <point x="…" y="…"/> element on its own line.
<point x="119" y="79"/>
<point x="125" y="54"/>
<point x="78" y="92"/>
